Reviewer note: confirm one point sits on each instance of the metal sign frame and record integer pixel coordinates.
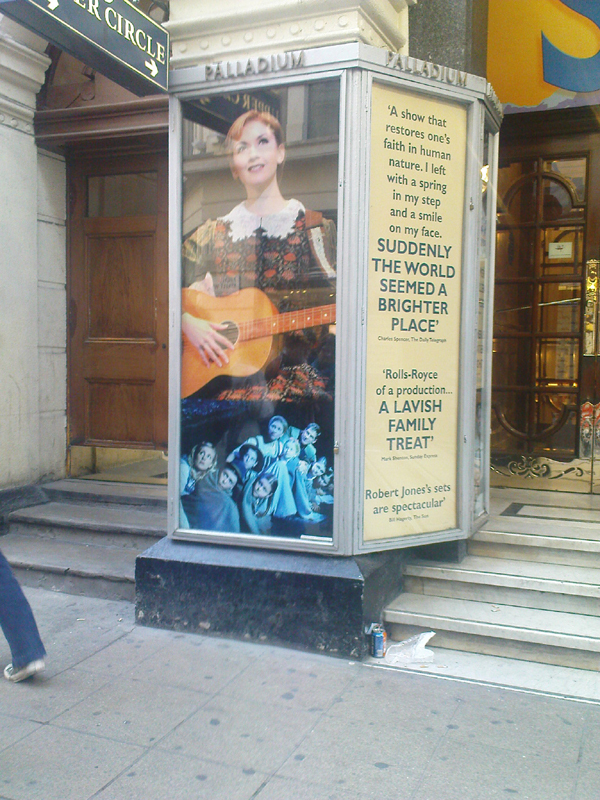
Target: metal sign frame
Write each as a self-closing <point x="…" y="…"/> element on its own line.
<point x="357" y="65"/>
<point x="112" y="36"/>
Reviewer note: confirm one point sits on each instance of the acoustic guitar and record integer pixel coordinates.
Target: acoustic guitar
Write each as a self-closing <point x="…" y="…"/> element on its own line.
<point x="252" y="322"/>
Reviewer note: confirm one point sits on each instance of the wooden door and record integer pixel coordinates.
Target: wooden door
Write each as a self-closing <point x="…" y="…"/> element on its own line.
<point x="118" y="302"/>
<point x="546" y="399"/>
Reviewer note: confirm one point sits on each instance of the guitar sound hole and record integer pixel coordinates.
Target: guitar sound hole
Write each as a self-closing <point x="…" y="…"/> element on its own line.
<point x="231" y="332"/>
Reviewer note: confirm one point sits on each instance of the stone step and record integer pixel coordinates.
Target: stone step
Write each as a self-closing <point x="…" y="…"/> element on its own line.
<point x="114" y="525"/>
<point x="549" y="548"/>
<point x="88" y="491"/>
<point x="86" y="538"/>
<point x="501" y="581"/>
<point x="71" y="567"/>
<point x="503" y="497"/>
<point x="551" y="637"/>
<point x="552" y="527"/>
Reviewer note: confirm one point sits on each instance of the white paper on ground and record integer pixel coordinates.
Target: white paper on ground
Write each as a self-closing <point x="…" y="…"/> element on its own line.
<point x="411" y="651"/>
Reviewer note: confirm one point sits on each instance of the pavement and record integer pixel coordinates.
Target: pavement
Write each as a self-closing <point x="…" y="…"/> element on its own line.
<point x="131" y="713"/>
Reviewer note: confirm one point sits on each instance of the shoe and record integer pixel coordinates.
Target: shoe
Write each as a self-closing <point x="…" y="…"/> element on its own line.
<point x="28" y="671"/>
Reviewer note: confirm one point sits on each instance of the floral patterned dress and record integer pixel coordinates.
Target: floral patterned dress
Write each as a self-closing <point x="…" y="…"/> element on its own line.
<point x="291" y="251"/>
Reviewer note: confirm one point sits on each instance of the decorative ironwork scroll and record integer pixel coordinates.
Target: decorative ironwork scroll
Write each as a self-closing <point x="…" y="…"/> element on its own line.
<point x="591" y="307"/>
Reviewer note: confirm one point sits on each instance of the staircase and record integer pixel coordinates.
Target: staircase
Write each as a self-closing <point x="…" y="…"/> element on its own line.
<point x="85" y="539"/>
<point x="529" y="587"/>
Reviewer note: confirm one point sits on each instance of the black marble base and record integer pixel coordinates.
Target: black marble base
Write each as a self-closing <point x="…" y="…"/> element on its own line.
<point x="320" y="603"/>
<point x="452" y="552"/>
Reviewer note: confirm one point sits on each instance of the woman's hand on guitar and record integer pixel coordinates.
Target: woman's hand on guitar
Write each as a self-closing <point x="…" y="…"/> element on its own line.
<point x="206" y="339"/>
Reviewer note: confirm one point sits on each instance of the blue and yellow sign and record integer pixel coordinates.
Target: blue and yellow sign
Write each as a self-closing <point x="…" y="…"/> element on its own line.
<point x="544" y="53"/>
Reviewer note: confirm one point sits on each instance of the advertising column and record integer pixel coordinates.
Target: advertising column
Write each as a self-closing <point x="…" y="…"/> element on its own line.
<point x="417" y="195"/>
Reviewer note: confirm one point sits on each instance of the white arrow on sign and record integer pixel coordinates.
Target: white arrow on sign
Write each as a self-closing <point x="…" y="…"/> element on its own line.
<point x="52" y="4"/>
<point x="150" y="64"/>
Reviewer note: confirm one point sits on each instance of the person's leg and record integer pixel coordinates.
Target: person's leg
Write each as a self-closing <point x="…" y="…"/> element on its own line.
<point x="17" y="620"/>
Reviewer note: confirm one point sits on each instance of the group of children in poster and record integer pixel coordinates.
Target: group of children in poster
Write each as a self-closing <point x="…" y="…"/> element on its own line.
<point x="268" y="485"/>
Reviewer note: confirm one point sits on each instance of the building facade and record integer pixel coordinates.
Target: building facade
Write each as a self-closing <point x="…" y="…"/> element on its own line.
<point x="88" y="355"/>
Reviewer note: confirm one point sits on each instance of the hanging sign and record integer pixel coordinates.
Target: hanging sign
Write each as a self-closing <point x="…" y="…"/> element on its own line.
<point x="417" y="193"/>
<point x="111" y="36"/>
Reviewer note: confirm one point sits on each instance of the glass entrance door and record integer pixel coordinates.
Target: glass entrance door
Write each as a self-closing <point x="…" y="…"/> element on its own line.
<point x="545" y="405"/>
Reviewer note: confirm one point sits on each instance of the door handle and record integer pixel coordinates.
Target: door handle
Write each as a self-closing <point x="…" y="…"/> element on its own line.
<point x="591" y="307"/>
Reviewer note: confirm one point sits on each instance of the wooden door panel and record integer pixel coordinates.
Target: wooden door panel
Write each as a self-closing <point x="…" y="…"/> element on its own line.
<point x="118" y="306"/>
<point x="121" y="286"/>
<point x="119" y="413"/>
<point x="120" y="361"/>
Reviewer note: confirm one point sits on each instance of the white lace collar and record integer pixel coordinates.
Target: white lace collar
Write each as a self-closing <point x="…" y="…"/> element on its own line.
<point x="243" y="223"/>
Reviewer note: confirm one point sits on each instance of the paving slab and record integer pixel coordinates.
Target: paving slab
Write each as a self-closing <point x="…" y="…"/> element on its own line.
<point x="48" y="696"/>
<point x="589" y="756"/>
<point x="131" y="710"/>
<point x="459" y="771"/>
<point x="369" y="760"/>
<point x="126" y="654"/>
<point x="244" y="733"/>
<point x="14" y="729"/>
<point x="57" y="764"/>
<point x="286" y="789"/>
<point x="527" y="725"/>
<point x="406" y="699"/>
<point x="146" y="713"/>
<point x="302" y="681"/>
<point x="588" y="785"/>
<point x="159" y="775"/>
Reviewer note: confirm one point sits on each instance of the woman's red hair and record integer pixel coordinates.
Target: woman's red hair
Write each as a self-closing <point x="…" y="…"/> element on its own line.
<point x="235" y="132"/>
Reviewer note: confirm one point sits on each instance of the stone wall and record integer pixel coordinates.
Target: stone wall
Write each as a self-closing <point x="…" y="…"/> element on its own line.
<point x="52" y="313"/>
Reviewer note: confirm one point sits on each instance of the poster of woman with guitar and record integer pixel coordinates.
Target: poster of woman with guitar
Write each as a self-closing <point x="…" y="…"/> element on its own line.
<point x="258" y="306"/>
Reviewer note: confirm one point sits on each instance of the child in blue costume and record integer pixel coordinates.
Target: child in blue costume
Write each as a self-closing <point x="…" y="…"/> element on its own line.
<point x="257" y="505"/>
<point x="199" y="465"/>
<point x="211" y="507"/>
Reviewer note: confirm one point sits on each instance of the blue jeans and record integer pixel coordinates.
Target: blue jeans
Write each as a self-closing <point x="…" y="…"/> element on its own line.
<point x="17" y="621"/>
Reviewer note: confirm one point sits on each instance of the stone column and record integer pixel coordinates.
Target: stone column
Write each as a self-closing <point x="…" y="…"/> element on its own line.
<point x="22" y="445"/>
<point x="450" y="32"/>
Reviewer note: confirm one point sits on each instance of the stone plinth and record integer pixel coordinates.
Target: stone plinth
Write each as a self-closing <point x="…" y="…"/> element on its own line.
<point x="309" y="601"/>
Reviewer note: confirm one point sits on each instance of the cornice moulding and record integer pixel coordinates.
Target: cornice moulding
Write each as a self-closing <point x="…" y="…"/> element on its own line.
<point x="240" y="29"/>
<point x="15" y="116"/>
<point x="22" y="73"/>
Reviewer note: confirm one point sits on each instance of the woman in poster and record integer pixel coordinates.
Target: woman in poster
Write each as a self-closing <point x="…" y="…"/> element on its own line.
<point x="267" y="267"/>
